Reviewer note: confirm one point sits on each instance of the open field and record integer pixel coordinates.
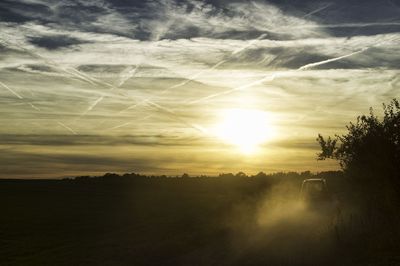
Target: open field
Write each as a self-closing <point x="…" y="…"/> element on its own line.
<point x="168" y="221"/>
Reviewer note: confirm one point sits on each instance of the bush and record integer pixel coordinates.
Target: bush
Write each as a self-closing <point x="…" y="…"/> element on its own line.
<point x="369" y="153"/>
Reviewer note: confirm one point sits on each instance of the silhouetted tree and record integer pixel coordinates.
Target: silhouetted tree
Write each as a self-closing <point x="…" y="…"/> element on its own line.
<point x="110" y="175"/>
<point x="185" y="175"/>
<point x="228" y="175"/>
<point x="260" y="175"/>
<point x="80" y="178"/>
<point x="370" y="153"/>
<point x="241" y="174"/>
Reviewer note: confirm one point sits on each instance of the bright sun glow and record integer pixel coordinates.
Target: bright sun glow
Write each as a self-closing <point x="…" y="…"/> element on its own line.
<point x="245" y="128"/>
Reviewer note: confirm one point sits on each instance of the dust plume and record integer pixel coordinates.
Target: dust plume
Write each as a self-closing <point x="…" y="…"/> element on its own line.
<point x="281" y="227"/>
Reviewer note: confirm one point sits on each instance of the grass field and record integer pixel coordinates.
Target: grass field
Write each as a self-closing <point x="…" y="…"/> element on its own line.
<point x="166" y="221"/>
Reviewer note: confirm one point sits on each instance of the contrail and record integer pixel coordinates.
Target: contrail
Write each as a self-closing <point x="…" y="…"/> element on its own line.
<point x="349" y="25"/>
<point x="34" y="107"/>
<point x="305" y="16"/>
<point x="331" y="60"/>
<point x="130" y="122"/>
<point x="376" y="44"/>
<point x="95" y="103"/>
<point x="176" y="117"/>
<point x="131" y="107"/>
<point x="50" y="62"/>
<point x="190" y="79"/>
<point x="67" y="127"/>
<point x="148" y="102"/>
<point x="10" y="90"/>
<point x="72" y="71"/>
<point x="130" y="72"/>
<point x="69" y="70"/>
<point x="122" y="125"/>
<point x="174" y="86"/>
<point x="272" y="77"/>
<point x="77" y="74"/>
<point x="266" y="57"/>
<point x="18" y="96"/>
<point x="111" y="88"/>
<point x="317" y="10"/>
<point x="220" y="62"/>
<point x="89" y="108"/>
<point x="266" y="78"/>
<point x="262" y="36"/>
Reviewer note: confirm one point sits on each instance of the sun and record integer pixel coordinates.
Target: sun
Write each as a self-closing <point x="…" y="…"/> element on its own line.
<point x="247" y="129"/>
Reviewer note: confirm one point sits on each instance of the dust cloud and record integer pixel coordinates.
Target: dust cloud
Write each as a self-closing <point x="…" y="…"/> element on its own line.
<point x="276" y="227"/>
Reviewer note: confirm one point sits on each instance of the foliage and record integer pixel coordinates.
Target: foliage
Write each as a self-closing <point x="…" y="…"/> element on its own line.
<point x="370" y="151"/>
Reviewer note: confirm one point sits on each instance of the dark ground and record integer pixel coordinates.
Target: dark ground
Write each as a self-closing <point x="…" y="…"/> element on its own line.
<point x="169" y="221"/>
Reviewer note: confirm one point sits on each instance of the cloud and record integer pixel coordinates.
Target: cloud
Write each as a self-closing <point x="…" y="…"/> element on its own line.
<point x="58" y="161"/>
<point x="120" y="74"/>
<point x="20" y="11"/>
<point x="100" y="140"/>
<point x="52" y="42"/>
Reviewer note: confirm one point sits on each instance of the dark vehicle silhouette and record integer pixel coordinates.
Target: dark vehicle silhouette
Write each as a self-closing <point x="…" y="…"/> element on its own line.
<point x="316" y="195"/>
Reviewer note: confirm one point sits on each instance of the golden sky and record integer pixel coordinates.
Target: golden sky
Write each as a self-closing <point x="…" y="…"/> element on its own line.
<point x="165" y="87"/>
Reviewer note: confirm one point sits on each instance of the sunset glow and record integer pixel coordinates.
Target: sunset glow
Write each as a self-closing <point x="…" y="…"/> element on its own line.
<point x="165" y="87"/>
<point x="245" y="128"/>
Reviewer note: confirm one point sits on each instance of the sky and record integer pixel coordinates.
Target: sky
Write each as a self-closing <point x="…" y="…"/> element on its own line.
<point x="167" y="87"/>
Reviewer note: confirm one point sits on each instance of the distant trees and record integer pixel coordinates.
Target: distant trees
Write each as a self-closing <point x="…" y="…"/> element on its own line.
<point x="241" y="174"/>
<point x="185" y="175"/>
<point x="369" y="152"/>
<point x="228" y="175"/>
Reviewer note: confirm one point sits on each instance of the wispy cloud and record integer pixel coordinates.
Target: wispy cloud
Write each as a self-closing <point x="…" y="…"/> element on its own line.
<point x="271" y="77"/>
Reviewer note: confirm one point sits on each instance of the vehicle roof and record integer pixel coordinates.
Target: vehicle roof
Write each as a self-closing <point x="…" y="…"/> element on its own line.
<point x="314" y="180"/>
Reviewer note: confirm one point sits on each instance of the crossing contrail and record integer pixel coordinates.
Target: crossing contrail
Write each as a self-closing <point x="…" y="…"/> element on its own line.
<point x="176" y="117"/>
<point x="32" y="105"/>
<point x="237" y="51"/>
<point x="272" y="77"/>
<point x="11" y="90"/>
<point x="133" y="106"/>
<point x="18" y="96"/>
<point x="51" y="63"/>
<point x="262" y="36"/>
<point x="128" y="123"/>
<point x="95" y="82"/>
<point x="317" y="10"/>
<point x="216" y="65"/>
<point x="67" y="128"/>
<point x="82" y="76"/>
<point x="266" y="78"/>
<point x="121" y="125"/>
<point x="193" y="77"/>
<point x="68" y="70"/>
<point x="129" y="72"/>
